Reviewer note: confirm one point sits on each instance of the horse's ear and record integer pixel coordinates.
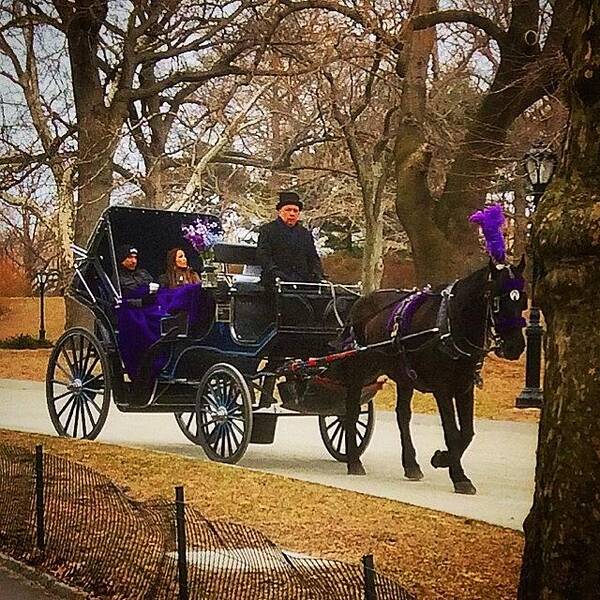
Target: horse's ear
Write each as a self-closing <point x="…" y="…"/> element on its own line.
<point x="495" y="268"/>
<point x="521" y="266"/>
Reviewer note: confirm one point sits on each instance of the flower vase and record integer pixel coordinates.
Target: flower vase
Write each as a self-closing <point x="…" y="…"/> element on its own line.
<point x="209" y="270"/>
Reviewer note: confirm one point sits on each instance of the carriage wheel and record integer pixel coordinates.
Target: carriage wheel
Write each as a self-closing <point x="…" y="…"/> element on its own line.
<point x="333" y="432"/>
<point x="78" y="385"/>
<point x="188" y="423"/>
<point x="224" y="414"/>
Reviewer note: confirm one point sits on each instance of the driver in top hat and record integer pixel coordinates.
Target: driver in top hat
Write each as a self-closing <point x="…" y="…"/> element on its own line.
<point x="286" y="249"/>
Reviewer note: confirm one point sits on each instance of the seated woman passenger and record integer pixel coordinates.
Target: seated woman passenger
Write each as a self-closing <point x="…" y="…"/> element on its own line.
<point x="178" y="271"/>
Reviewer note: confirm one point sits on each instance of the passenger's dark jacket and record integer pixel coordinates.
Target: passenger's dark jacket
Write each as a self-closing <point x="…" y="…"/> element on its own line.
<point x="288" y="253"/>
<point x="131" y="280"/>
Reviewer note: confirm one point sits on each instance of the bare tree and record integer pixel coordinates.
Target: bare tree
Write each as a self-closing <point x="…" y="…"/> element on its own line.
<point x="48" y="144"/>
<point x="524" y="47"/>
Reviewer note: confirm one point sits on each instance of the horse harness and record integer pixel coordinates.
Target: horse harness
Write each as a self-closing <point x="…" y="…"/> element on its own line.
<point x="443" y="334"/>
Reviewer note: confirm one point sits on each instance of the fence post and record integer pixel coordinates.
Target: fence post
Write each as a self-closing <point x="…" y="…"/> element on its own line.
<point x="39" y="498"/>
<point x="369" y="573"/>
<point x="181" y="543"/>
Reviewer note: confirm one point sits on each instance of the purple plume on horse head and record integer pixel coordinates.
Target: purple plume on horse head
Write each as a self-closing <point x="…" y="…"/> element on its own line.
<point x="491" y="220"/>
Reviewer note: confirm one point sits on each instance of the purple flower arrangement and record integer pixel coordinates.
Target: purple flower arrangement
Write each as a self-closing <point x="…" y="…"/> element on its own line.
<point x="203" y="234"/>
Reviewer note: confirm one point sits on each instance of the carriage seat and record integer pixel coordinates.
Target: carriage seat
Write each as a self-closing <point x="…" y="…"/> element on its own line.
<point x="248" y="281"/>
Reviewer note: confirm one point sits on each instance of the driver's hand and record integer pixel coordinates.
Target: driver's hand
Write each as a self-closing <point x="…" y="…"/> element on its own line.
<point x="153" y="287"/>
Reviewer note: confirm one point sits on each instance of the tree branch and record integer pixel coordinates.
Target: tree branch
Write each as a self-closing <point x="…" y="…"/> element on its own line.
<point x="460" y="16"/>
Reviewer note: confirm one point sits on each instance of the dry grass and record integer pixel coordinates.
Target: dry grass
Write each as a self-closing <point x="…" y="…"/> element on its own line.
<point x="432" y="554"/>
<point x="22" y="315"/>
<point x="503" y="380"/>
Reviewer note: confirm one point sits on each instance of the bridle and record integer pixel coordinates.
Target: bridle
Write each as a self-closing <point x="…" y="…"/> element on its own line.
<point x="494" y="323"/>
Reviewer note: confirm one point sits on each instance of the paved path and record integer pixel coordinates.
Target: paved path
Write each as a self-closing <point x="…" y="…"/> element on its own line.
<point x="16" y="587"/>
<point x="500" y="460"/>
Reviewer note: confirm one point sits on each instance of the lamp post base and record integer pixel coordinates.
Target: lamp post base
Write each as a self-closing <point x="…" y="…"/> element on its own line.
<point x="530" y="397"/>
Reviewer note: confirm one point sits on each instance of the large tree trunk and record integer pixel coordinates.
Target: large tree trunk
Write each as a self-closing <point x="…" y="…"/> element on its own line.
<point x="435" y="257"/>
<point x="98" y="125"/>
<point x="448" y="246"/>
<point x="562" y="550"/>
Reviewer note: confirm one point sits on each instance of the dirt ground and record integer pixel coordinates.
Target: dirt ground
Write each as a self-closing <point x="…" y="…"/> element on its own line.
<point x="433" y="554"/>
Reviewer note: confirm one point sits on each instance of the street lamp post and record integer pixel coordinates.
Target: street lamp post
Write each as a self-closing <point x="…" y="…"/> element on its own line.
<point x="42" y="278"/>
<point x="539" y="166"/>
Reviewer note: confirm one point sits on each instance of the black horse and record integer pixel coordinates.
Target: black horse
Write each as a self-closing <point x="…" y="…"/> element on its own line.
<point x="454" y="326"/>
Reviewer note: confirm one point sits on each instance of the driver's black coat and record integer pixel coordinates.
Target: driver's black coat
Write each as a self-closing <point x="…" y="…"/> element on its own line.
<point x="288" y="253"/>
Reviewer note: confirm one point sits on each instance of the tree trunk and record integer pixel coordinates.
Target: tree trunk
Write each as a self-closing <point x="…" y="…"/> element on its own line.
<point x="153" y="183"/>
<point x="372" y="261"/>
<point x="65" y="221"/>
<point x="98" y="125"/>
<point x="562" y="532"/>
<point x="456" y="248"/>
<point x="435" y="257"/>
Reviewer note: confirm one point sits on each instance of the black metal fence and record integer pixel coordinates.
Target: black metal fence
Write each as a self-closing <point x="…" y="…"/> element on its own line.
<point x="76" y="524"/>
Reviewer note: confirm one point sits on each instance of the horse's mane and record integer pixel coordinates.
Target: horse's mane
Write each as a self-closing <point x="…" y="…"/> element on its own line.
<point x="374" y="303"/>
<point x="467" y="281"/>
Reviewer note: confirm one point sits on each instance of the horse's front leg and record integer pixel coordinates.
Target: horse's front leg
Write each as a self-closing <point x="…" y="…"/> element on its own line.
<point x="455" y="445"/>
<point x="464" y="407"/>
<point x="412" y="470"/>
<point x="353" y="463"/>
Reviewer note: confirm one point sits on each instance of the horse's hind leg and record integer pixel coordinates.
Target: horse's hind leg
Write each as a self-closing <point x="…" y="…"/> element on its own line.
<point x="412" y="470"/>
<point x="354" y="465"/>
<point x="455" y="445"/>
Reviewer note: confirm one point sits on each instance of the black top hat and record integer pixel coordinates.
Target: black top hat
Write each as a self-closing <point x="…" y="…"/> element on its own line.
<point x="286" y="198"/>
<point x="125" y="250"/>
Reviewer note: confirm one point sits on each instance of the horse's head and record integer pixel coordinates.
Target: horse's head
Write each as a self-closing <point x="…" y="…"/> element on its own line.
<point x="508" y="300"/>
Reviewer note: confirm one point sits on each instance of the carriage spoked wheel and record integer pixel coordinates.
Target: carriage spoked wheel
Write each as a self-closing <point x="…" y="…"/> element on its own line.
<point x="224" y="414"/>
<point x="77" y="385"/>
<point x="333" y="432"/>
<point x="188" y="423"/>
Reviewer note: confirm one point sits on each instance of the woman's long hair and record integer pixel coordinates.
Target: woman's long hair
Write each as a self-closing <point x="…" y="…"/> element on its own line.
<point x="174" y="273"/>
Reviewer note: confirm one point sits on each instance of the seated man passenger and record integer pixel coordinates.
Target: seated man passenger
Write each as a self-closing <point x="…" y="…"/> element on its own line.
<point x="134" y="281"/>
<point x="178" y="271"/>
<point x="286" y="250"/>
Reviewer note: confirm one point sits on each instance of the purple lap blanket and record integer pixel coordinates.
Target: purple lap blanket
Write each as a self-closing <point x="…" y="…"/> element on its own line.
<point x="139" y="326"/>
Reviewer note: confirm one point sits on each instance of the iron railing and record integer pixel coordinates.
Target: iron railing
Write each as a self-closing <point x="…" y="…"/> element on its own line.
<point x="76" y="524"/>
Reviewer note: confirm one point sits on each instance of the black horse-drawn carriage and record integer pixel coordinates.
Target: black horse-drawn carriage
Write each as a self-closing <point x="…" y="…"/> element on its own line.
<point x="217" y="375"/>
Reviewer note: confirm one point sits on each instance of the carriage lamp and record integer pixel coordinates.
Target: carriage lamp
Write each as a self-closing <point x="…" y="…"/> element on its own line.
<point x="540" y="163"/>
<point x="41" y="281"/>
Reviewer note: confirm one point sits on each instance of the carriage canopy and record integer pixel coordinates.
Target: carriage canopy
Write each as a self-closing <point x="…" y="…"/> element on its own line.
<point x="152" y="232"/>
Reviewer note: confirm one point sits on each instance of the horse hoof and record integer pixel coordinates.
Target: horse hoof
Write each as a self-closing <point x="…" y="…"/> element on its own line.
<point x="465" y="487"/>
<point x="356" y="469"/>
<point x="413" y="473"/>
<point x="440" y="459"/>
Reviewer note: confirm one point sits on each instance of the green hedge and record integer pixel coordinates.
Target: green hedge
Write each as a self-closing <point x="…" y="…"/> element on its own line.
<point x="24" y="342"/>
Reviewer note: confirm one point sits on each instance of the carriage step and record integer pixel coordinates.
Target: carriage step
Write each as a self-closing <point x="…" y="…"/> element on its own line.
<point x="263" y="428"/>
